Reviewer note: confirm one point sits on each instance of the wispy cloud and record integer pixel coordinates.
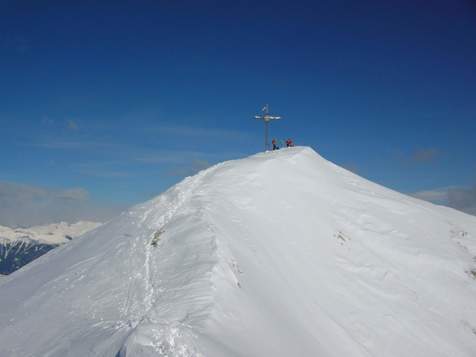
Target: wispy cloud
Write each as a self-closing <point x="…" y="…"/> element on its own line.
<point x="201" y="133"/>
<point x="109" y="169"/>
<point x="420" y="156"/>
<point x="461" y="198"/>
<point x="185" y="163"/>
<point x="72" y="144"/>
<point x="132" y="137"/>
<point x="17" y="43"/>
<point x="47" y="121"/>
<point x="188" y="169"/>
<point x="27" y="205"/>
<point x="135" y="150"/>
<point x="75" y="194"/>
<point x="424" y="155"/>
<point x="72" y="125"/>
<point x="436" y="196"/>
<point x="172" y="156"/>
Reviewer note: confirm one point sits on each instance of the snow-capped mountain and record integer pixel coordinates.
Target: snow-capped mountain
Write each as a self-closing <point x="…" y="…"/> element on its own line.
<point x="279" y="254"/>
<point x="19" y="246"/>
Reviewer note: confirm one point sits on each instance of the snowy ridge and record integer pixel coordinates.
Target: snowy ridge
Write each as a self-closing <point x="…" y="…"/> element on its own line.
<point x="279" y="254"/>
<point x="157" y="328"/>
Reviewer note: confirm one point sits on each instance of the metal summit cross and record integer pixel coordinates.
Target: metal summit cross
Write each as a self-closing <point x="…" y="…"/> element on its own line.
<point x="266" y="118"/>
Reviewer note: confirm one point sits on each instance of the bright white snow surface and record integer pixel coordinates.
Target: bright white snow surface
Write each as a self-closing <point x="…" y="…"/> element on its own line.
<point x="55" y="233"/>
<point x="279" y="254"/>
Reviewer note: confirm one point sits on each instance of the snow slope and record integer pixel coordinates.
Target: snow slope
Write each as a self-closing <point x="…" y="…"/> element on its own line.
<point x="279" y="254"/>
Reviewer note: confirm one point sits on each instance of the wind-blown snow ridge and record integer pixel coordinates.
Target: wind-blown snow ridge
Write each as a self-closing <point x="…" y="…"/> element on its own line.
<point x="279" y="254"/>
<point x="161" y="329"/>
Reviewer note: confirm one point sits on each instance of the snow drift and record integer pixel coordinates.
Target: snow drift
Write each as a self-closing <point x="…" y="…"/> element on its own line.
<point x="279" y="254"/>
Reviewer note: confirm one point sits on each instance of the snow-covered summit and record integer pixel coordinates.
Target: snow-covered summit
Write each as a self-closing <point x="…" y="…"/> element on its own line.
<point x="279" y="254"/>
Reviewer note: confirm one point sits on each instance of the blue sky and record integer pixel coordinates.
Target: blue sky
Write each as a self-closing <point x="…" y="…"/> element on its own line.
<point x="120" y="100"/>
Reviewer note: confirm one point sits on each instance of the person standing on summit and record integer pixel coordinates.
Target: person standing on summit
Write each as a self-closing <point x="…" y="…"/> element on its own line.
<point x="275" y="144"/>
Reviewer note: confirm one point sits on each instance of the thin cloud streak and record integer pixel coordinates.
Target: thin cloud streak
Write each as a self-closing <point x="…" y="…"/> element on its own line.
<point x="72" y="125"/>
<point x="27" y="205"/>
<point x="102" y="169"/>
<point x="439" y="195"/>
<point x="460" y="198"/>
<point x="173" y="156"/>
<point x="200" y="132"/>
<point x="73" y="145"/>
<point x="419" y="157"/>
<point x="190" y="169"/>
<point x="424" y="155"/>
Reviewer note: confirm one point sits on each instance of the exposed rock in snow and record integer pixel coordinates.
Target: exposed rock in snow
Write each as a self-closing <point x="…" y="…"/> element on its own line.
<point x="279" y="254"/>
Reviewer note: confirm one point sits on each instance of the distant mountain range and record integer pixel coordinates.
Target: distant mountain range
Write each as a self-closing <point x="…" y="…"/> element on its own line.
<point x="19" y="246"/>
